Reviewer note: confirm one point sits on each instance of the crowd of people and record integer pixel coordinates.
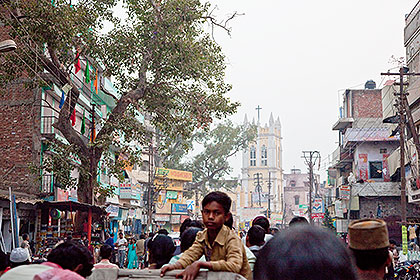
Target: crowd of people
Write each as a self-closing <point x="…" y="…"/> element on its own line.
<point x="300" y="252"/>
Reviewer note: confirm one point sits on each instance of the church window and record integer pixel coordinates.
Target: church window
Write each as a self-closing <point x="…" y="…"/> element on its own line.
<point x="264" y="156"/>
<point x="293" y="183"/>
<point x="296" y="200"/>
<point x="253" y="156"/>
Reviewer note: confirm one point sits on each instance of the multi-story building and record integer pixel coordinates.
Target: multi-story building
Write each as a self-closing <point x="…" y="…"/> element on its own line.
<point x="171" y="207"/>
<point x="262" y="175"/>
<point x="364" y="185"/>
<point x="296" y="194"/>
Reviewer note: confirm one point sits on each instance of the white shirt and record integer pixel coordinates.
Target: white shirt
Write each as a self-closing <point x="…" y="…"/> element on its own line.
<point x="121" y="243"/>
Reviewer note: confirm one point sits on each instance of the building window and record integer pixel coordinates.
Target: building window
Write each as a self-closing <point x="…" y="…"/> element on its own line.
<point x="293" y="183"/>
<point x="383" y="151"/>
<point x="253" y="156"/>
<point x="264" y="156"/>
<point x="296" y="200"/>
<point x="375" y="169"/>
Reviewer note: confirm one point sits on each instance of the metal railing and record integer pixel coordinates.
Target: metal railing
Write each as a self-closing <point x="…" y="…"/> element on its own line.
<point x="47" y="184"/>
<point x="47" y="124"/>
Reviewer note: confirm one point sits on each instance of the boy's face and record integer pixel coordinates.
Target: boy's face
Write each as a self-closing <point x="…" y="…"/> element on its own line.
<point x="214" y="215"/>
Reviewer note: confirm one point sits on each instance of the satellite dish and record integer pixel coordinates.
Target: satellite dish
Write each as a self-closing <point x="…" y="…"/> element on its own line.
<point x="7" y="46"/>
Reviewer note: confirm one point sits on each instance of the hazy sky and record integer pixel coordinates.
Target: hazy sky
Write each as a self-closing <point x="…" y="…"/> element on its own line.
<point x="293" y="58"/>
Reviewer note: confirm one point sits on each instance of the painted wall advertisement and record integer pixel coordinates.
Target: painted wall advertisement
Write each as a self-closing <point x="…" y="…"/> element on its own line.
<point x="363" y="166"/>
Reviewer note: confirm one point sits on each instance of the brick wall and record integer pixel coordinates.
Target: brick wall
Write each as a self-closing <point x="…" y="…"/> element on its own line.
<point x="367" y="103"/>
<point x="19" y="138"/>
<point x="391" y="212"/>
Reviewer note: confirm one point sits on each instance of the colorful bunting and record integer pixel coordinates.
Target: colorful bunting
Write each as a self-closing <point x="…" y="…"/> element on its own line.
<point x="83" y="128"/>
<point x="73" y="117"/>
<point x="77" y="65"/>
<point x="87" y="75"/>
<point x="63" y="98"/>
<point x="95" y="84"/>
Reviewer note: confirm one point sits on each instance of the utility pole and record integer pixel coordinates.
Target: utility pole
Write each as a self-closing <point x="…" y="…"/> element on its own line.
<point x="269" y="195"/>
<point x="258" y="188"/>
<point x="311" y="157"/>
<point x="403" y="110"/>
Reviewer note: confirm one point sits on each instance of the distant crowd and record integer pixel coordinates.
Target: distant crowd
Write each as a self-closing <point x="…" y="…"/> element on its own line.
<point x="300" y="252"/>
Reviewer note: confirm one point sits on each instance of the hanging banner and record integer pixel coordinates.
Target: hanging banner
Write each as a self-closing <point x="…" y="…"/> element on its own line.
<point x="344" y="192"/>
<point x="404" y="240"/>
<point x="363" y="166"/>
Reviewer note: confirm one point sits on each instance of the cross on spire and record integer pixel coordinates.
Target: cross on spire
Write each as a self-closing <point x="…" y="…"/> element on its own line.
<point x="258" y="109"/>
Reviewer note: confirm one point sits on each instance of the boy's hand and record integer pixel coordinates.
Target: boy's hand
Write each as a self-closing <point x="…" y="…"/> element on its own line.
<point x="166" y="268"/>
<point x="190" y="272"/>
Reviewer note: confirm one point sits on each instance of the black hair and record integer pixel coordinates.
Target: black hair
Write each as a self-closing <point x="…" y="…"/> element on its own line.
<point x="256" y="235"/>
<point x="262" y="222"/>
<point x="297" y="220"/>
<point x="69" y="237"/>
<point x="4" y="261"/>
<point x="305" y="252"/>
<point x="105" y="252"/>
<point x="25" y="236"/>
<point x="69" y="255"/>
<point x="229" y="222"/>
<point x="188" y="237"/>
<point x="220" y="197"/>
<point x="161" y="249"/>
<point x="370" y="259"/>
<point x="142" y="236"/>
<point x="392" y="241"/>
<point x="163" y="231"/>
<point x="187" y="223"/>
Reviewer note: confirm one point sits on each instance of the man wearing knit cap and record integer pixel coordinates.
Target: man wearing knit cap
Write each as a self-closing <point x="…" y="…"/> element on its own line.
<point x="369" y="241"/>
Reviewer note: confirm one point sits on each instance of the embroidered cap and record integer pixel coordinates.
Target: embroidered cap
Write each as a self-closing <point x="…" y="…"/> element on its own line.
<point x="368" y="234"/>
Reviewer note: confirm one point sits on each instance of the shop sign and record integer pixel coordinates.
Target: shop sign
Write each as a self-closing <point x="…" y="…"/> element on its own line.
<point x="112" y="210"/>
<point x="317" y="207"/>
<point x="179" y="208"/>
<point x="125" y="191"/>
<point x="344" y="192"/>
<point x="171" y="194"/>
<point x="175" y="219"/>
<point x="62" y="195"/>
<point x="318" y="216"/>
<point x="174" y="174"/>
<point x="162" y="218"/>
<point x="184" y="217"/>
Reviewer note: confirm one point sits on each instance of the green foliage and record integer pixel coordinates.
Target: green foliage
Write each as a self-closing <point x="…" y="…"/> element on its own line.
<point x="211" y="166"/>
<point x="161" y="59"/>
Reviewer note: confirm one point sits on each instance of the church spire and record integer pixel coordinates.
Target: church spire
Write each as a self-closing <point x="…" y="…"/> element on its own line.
<point x="271" y="121"/>
<point x="246" y="119"/>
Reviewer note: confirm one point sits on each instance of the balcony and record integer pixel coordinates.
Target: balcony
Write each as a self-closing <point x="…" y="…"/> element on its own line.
<point x="341" y="157"/>
<point x="47" y="129"/>
<point x="343" y="123"/>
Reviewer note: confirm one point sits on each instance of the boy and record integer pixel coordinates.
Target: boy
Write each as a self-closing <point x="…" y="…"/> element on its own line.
<point x="255" y="239"/>
<point x="221" y="247"/>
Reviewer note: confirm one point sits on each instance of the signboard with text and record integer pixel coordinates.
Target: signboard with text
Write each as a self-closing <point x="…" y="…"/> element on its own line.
<point x="174" y="174"/>
<point x="179" y="208"/>
<point x="125" y="191"/>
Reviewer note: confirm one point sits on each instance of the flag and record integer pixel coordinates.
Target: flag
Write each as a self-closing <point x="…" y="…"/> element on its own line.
<point x="95" y="84"/>
<point x="77" y="65"/>
<point x="73" y="117"/>
<point x="62" y="100"/>
<point x="83" y="128"/>
<point x="87" y="76"/>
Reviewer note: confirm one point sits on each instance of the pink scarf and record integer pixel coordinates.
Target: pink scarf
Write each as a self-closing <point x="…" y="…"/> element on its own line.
<point x="57" y="273"/>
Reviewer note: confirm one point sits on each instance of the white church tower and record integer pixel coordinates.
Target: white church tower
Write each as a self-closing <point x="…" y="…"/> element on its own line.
<point x="262" y="175"/>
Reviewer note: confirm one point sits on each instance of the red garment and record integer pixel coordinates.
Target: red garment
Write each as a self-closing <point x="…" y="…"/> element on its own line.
<point x="77" y="65"/>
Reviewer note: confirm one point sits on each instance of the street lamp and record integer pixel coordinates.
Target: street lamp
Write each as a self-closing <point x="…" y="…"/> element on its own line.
<point x="7" y="46"/>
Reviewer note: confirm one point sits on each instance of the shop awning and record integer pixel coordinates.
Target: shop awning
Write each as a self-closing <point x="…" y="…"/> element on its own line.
<point x="71" y="206"/>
